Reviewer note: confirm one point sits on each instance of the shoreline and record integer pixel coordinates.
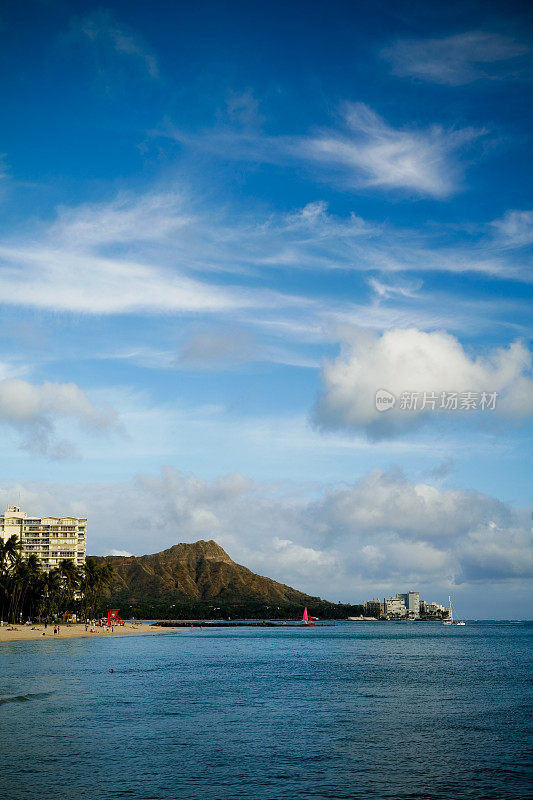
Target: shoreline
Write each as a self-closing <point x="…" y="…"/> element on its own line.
<point x="33" y="633"/>
<point x="198" y="623"/>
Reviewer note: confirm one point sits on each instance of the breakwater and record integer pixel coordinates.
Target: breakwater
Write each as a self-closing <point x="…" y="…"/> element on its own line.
<point x="195" y="623"/>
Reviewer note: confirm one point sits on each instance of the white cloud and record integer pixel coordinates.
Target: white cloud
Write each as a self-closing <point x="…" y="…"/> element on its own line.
<point x="403" y="288"/>
<point x="410" y="360"/>
<point x="514" y="229"/>
<point x="127" y="218"/>
<point x="455" y="60"/>
<point x="34" y="411"/>
<point x="378" y="155"/>
<point x="301" y="560"/>
<point x="76" y="281"/>
<point x="363" y="151"/>
<point x="494" y="552"/>
<point x="381" y="533"/>
<point x="387" y="503"/>
<point x="134" y="254"/>
<point x="151" y="253"/>
<point x="12" y="369"/>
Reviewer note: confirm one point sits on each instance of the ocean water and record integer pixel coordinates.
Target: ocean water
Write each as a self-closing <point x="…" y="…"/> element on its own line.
<point x="360" y="710"/>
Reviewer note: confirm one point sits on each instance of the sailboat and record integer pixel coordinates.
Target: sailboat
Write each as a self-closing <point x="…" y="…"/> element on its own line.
<point x="306" y="619"/>
<point x="451" y="620"/>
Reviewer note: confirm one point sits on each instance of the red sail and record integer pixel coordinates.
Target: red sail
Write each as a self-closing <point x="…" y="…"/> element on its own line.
<point x="305" y="617"/>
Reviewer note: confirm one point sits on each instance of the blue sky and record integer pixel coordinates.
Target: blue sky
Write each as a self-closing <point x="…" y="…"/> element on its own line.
<point x="224" y="227"/>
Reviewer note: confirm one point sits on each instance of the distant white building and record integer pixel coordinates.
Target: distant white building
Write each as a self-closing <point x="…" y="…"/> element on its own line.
<point x="412" y="604"/>
<point x="405" y="605"/>
<point x="373" y="608"/>
<point x="51" y="539"/>
<point x="434" y="609"/>
<point x="395" y="606"/>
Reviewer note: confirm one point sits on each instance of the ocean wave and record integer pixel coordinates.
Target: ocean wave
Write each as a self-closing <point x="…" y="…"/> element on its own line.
<point x="24" y="698"/>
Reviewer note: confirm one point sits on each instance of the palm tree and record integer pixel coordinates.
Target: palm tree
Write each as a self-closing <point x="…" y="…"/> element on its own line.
<point x="94" y="579"/>
<point x="23" y="586"/>
<point x="25" y="589"/>
<point x="9" y="553"/>
<point x="71" y="578"/>
<point x="51" y="590"/>
<point x="89" y="586"/>
<point x="15" y="586"/>
<point x="31" y="575"/>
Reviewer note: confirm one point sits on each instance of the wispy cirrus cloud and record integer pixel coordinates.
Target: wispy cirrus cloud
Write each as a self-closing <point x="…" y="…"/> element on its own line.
<point x="109" y="40"/>
<point x="457" y="60"/>
<point x="159" y="252"/>
<point x="514" y="229"/>
<point x="378" y="155"/>
<point x="363" y="151"/>
<point x="133" y="254"/>
<point x="80" y="282"/>
<point x="175" y="229"/>
<point x="136" y="218"/>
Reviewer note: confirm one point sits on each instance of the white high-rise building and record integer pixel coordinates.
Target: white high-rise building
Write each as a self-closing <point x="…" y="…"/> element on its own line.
<point x="412" y="604"/>
<point x="51" y="539"/>
<point x="395" y="606"/>
<point x="403" y="605"/>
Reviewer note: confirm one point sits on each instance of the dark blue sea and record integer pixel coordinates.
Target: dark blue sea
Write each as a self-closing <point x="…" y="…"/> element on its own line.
<point x="360" y="710"/>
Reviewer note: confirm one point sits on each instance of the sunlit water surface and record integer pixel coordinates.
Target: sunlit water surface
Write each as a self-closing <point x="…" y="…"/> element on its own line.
<point x="359" y="710"/>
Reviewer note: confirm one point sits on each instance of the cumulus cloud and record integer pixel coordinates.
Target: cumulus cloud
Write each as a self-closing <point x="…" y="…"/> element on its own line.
<point x="388" y="503"/>
<point x="35" y="410"/>
<point x="382" y="533"/>
<point x="415" y="362"/>
<point x="456" y="60"/>
<point x="494" y="552"/>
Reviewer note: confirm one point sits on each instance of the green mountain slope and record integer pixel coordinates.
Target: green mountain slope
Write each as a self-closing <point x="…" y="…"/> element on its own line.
<point x="200" y="580"/>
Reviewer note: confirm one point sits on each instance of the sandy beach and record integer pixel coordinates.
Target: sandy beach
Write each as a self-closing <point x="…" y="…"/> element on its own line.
<point x="26" y="633"/>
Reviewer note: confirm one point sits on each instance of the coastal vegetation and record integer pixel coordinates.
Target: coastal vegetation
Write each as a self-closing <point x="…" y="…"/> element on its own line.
<point x="187" y="581"/>
<point x="172" y="608"/>
<point x="201" y="581"/>
<point x="27" y="591"/>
